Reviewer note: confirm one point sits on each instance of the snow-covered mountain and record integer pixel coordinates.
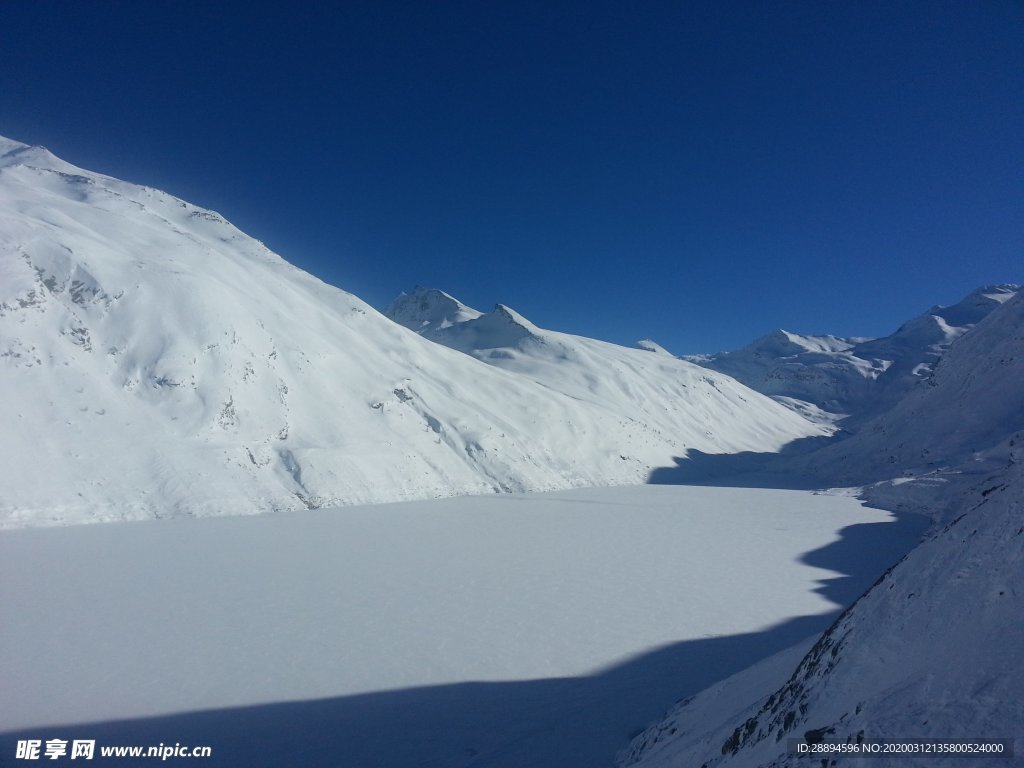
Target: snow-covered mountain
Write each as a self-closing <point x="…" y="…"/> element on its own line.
<point x="154" y="361"/>
<point x="934" y="649"/>
<point x="967" y="416"/>
<point x="859" y="378"/>
<point x="674" y="397"/>
<point x="426" y="310"/>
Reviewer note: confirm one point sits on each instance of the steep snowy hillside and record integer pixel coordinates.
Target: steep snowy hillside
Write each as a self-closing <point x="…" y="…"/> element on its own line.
<point x="674" y="397"/>
<point x="934" y="649"/>
<point x="154" y="361"/>
<point x="855" y="377"/>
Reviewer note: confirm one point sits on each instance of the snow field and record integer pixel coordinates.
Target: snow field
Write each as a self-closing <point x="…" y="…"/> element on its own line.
<point x="135" y="619"/>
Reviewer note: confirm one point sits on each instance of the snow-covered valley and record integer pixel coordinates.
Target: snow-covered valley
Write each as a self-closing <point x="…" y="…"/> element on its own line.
<point x="539" y="629"/>
<point x="228" y="419"/>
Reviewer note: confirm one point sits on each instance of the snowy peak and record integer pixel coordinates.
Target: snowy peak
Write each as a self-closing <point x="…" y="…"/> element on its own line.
<point x="976" y="305"/>
<point x="428" y="309"/>
<point x="781" y="343"/>
<point x="503" y="327"/>
<point x="441" y="317"/>
<point x="970" y="409"/>
<point x="500" y="329"/>
<point x="510" y="316"/>
<point x="14" y="153"/>
<point x="858" y="378"/>
<point x="649" y="345"/>
<point x="940" y="325"/>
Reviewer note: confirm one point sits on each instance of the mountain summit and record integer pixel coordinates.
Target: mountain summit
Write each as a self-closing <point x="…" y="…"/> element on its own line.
<point x="428" y="309"/>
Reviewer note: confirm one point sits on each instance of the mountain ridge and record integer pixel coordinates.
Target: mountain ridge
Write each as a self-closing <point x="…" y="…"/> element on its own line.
<point x="855" y="379"/>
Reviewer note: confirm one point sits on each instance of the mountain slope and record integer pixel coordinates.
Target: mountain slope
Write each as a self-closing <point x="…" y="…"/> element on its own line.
<point x="933" y="650"/>
<point x="154" y="360"/>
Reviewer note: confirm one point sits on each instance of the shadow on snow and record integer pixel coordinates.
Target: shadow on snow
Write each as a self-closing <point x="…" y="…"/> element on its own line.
<point x="746" y="469"/>
<point x="882" y="544"/>
<point x="554" y="723"/>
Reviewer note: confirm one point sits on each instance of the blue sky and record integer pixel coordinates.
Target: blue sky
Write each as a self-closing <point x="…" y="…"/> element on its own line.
<point x="695" y="172"/>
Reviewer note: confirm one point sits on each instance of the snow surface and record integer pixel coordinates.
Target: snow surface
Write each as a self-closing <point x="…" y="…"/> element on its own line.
<point x="378" y="613"/>
<point x="159" y="362"/>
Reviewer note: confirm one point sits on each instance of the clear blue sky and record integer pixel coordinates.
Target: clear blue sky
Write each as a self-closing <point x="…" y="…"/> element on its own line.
<point x="695" y="172"/>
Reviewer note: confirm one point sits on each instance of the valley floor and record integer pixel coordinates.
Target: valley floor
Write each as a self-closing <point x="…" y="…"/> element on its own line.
<point x="509" y="630"/>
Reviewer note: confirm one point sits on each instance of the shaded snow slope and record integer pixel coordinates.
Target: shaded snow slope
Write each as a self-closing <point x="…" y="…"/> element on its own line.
<point x="673" y="396"/>
<point x="935" y="648"/>
<point x="154" y="361"/>
<point x="856" y="377"/>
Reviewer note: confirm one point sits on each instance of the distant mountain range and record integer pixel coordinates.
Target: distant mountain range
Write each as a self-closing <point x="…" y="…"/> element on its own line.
<point x="855" y="378"/>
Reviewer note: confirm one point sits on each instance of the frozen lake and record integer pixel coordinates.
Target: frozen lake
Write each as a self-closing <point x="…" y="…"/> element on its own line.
<point x="513" y="630"/>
